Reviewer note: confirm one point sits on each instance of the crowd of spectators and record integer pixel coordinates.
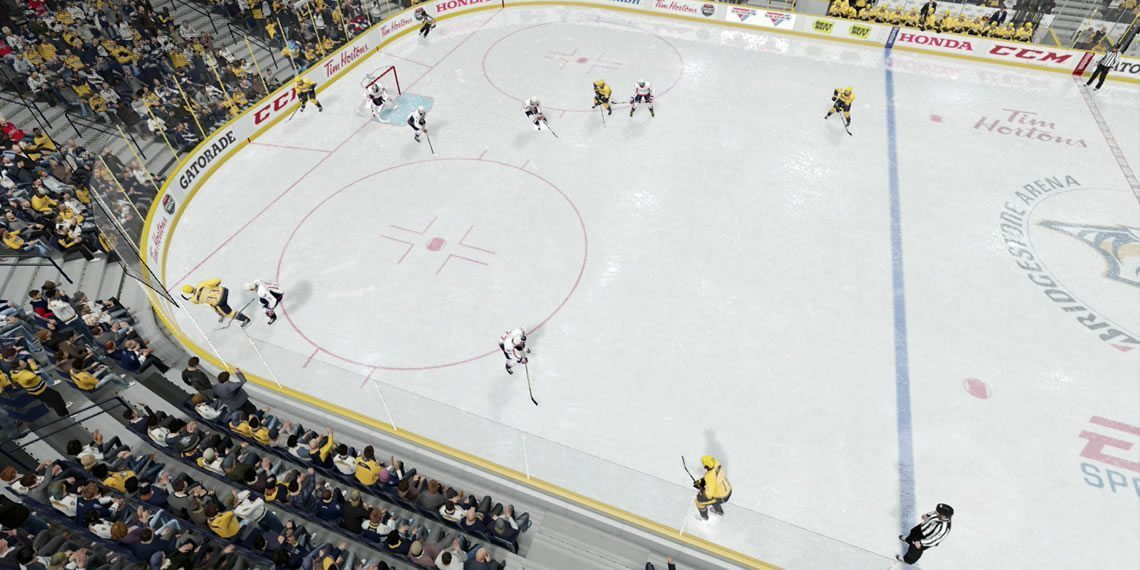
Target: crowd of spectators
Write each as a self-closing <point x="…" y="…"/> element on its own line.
<point x="57" y="338"/>
<point x="997" y="24"/>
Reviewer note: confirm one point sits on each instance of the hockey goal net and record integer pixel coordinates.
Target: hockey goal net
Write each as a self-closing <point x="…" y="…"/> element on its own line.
<point x="386" y="77"/>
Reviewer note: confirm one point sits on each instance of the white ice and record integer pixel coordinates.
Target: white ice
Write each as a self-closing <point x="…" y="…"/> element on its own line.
<point x="717" y="279"/>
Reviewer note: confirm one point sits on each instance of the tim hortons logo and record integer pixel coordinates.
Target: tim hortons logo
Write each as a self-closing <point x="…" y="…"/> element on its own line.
<point x="278" y="103"/>
<point x="334" y="65"/>
<point x="1026" y="125"/>
<point x="1019" y="52"/>
<point x="935" y="41"/>
<point x="708" y="10"/>
<point x="675" y="7"/>
<point x="453" y="4"/>
<point x="398" y="23"/>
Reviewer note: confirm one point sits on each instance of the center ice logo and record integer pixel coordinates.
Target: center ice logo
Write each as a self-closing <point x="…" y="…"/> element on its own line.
<point x="1034" y="229"/>
<point x="1120" y="246"/>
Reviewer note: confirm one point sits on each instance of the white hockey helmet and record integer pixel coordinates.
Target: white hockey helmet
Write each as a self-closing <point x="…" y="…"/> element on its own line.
<point x="641" y="83"/>
<point x="421" y="111"/>
<point x="251" y="286"/>
<point x="532" y="101"/>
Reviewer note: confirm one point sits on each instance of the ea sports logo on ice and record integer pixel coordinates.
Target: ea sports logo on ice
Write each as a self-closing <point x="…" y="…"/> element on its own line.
<point x="1080" y="248"/>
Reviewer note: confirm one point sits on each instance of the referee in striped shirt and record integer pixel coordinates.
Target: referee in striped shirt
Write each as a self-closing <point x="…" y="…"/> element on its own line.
<point x="1105" y="64"/>
<point x="929" y="533"/>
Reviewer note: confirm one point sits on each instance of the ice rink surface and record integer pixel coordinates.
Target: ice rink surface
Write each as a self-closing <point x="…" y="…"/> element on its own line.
<point x="935" y="309"/>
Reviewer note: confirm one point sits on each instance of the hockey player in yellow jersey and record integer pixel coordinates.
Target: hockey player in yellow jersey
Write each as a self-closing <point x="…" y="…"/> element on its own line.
<point x="713" y="489"/>
<point x="212" y="294"/>
<point x="602" y="94"/>
<point x="306" y="91"/>
<point x="841" y="103"/>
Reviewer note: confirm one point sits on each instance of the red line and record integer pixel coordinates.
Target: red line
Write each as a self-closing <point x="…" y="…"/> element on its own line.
<point x="410" y="245"/>
<point x="367" y="378"/>
<point x="1115" y="425"/>
<point x="451" y="255"/>
<point x="457" y="46"/>
<point x="405" y="59"/>
<point x="290" y="147"/>
<point x="471" y="246"/>
<point x="306" y="364"/>
<point x="271" y="203"/>
<point x="421" y="232"/>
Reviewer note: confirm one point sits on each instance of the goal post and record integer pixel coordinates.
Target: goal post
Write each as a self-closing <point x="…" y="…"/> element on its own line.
<point x="386" y="76"/>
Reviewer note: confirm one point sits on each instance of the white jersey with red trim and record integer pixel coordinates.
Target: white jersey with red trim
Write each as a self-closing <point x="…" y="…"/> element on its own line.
<point x="643" y="90"/>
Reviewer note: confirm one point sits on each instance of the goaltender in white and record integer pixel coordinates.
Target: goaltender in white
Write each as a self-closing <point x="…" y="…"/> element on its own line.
<point x="378" y="95"/>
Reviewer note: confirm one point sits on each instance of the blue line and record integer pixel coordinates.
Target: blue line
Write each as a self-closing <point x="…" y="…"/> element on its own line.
<point x="907" y="515"/>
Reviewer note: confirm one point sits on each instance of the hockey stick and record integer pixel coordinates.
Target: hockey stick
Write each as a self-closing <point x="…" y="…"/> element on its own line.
<point x="293" y="113"/>
<point x="837" y="112"/>
<point x="687" y="472"/>
<point x="526" y="367"/>
<point x="549" y="129"/>
<point x="602" y="110"/>
<point x="429" y="143"/>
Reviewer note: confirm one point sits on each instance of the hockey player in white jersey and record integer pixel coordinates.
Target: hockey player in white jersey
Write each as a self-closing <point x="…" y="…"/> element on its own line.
<point x="513" y="345"/>
<point x="418" y="122"/>
<point x="269" y="294"/>
<point x="534" y="112"/>
<point x="643" y="93"/>
<point x="378" y="95"/>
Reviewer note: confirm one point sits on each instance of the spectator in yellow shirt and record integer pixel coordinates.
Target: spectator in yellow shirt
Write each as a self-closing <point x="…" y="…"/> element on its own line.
<point x="367" y="468"/>
<point x="225" y="525"/>
<point x="47" y="51"/>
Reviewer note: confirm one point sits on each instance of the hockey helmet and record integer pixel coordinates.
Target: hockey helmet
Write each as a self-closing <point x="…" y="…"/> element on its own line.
<point x="188" y="289"/>
<point x="251" y="286"/>
<point x="419" y="13"/>
<point x="421" y="111"/>
<point x="709" y="462"/>
<point x="944" y="510"/>
<point x="641" y="83"/>
<point x="600" y="83"/>
<point x="532" y="101"/>
<point x="846" y="90"/>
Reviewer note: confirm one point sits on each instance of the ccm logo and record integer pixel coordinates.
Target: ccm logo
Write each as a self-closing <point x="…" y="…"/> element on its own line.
<point x="1031" y="54"/>
<point x="273" y="106"/>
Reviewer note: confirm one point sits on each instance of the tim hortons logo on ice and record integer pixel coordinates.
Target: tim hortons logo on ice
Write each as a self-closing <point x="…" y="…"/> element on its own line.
<point x="935" y="41"/>
<point x="269" y="109"/>
<point x="1021" y="52"/>
<point x="449" y="5"/>
<point x="1024" y="124"/>
<point x="1034" y="235"/>
<point x="198" y="166"/>
<point x="1114" y="472"/>
<point x="334" y="65"/>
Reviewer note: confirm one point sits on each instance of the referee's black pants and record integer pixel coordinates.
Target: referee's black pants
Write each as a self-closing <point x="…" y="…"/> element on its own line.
<point x="1101" y="72"/>
<point x="913" y="553"/>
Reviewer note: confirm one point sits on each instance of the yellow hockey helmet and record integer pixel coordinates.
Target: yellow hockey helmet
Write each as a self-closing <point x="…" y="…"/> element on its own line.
<point x="188" y="289"/>
<point x="709" y="462"/>
<point x="600" y="83"/>
<point x="847" y="90"/>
